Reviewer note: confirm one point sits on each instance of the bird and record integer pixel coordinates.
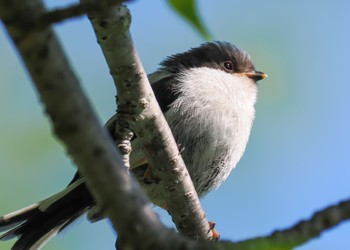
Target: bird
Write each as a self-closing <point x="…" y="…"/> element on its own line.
<point x="207" y="95"/>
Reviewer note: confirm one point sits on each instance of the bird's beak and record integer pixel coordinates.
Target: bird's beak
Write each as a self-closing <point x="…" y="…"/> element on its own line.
<point x="256" y="75"/>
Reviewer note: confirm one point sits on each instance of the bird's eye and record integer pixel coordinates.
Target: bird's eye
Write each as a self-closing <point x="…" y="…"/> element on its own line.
<point x="228" y="65"/>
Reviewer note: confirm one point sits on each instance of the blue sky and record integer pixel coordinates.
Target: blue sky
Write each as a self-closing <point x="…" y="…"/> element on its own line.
<point x="297" y="160"/>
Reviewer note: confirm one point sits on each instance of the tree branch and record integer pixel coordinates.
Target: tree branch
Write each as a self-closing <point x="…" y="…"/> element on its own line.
<point x="75" y="10"/>
<point x="90" y="146"/>
<point x="139" y="110"/>
<point x="301" y="232"/>
<point x="75" y="124"/>
<point x="57" y="15"/>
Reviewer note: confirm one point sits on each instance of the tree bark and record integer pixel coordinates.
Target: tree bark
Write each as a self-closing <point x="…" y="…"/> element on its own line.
<point x="90" y="146"/>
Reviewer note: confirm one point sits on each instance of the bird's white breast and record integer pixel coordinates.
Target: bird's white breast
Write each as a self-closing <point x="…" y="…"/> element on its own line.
<point x="211" y="120"/>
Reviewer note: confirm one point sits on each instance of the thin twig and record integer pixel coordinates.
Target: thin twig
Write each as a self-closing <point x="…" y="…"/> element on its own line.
<point x="303" y="231"/>
<point x="88" y="144"/>
<point x="75" y="10"/>
<point x="47" y="18"/>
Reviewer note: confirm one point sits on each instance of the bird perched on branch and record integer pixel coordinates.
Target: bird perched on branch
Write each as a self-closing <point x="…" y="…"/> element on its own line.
<point x="207" y="95"/>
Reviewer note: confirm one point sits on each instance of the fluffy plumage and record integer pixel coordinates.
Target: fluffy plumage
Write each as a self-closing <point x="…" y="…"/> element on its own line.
<point x="207" y="95"/>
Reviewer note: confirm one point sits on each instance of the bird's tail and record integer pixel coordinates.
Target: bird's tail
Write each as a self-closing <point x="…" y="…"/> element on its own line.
<point x="36" y="224"/>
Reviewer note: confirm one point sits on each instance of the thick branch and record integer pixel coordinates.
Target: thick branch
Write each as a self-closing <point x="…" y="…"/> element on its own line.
<point x="75" y="124"/>
<point x="90" y="147"/>
<point x="138" y="108"/>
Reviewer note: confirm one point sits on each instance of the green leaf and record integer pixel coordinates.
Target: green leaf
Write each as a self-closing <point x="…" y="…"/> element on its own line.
<point x="189" y="11"/>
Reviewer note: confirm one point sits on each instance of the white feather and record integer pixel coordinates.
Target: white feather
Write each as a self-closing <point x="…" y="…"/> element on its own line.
<point x="215" y="113"/>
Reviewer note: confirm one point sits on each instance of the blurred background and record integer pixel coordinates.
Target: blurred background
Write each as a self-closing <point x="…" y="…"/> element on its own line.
<point x="297" y="160"/>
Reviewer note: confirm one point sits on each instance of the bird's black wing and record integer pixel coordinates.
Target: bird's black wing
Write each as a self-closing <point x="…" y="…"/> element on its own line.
<point x="164" y="92"/>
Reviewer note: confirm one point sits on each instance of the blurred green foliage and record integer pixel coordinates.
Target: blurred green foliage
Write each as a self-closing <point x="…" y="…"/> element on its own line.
<point x="188" y="9"/>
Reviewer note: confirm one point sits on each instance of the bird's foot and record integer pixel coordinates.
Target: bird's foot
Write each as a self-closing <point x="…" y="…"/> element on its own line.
<point x="216" y="235"/>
